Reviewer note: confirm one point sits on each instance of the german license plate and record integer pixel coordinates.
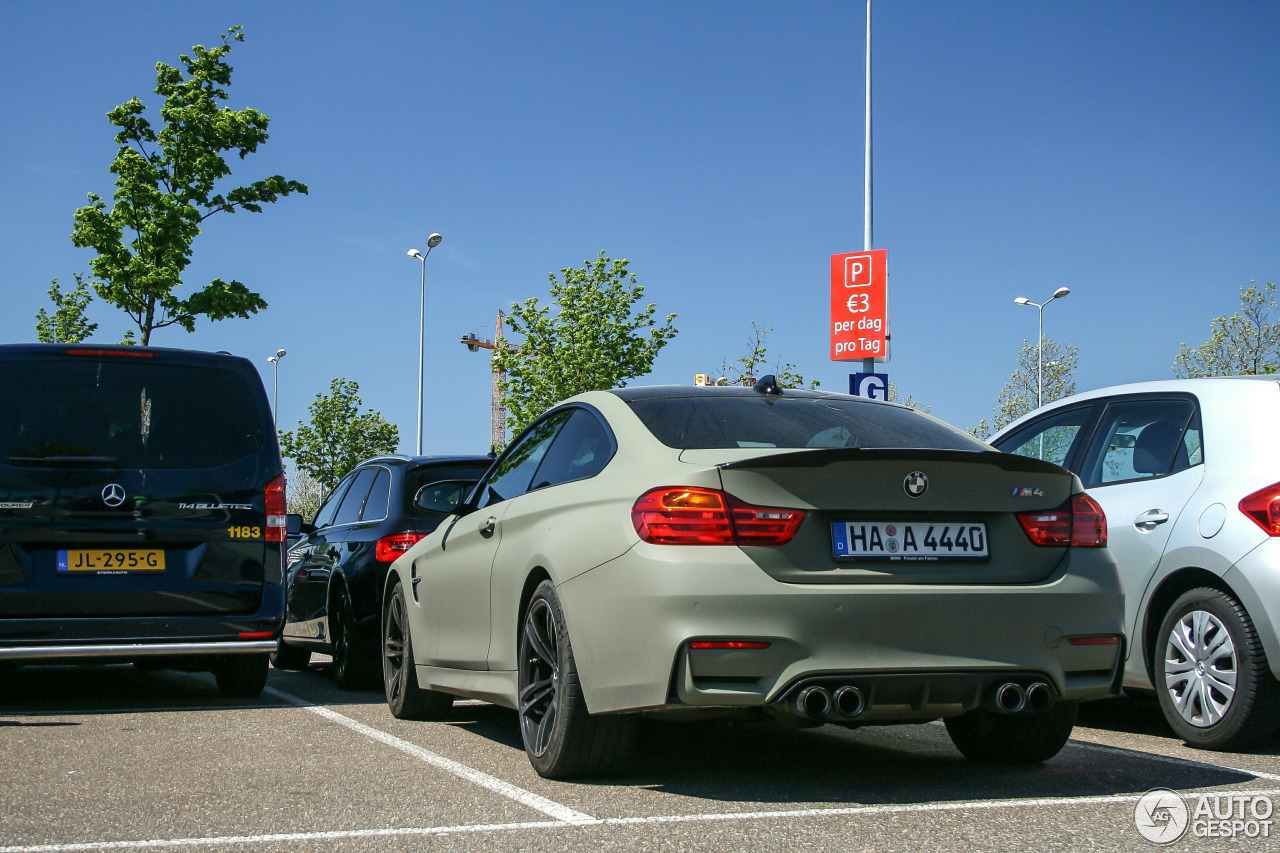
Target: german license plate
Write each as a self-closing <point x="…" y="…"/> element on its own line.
<point x="909" y="541"/>
<point x="120" y="561"/>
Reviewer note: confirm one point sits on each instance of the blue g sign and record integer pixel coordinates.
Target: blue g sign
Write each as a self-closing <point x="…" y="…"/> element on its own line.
<point x="873" y="386"/>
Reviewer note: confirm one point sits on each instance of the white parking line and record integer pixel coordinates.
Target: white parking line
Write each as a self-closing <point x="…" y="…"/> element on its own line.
<point x="551" y="808"/>
<point x="726" y="817"/>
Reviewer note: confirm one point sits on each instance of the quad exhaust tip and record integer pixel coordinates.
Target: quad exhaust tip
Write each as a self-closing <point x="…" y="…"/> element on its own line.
<point x="1039" y="696"/>
<point x="848" y="702"/>
<point x="814" y="702"/>
<point x="1010" y="697"/>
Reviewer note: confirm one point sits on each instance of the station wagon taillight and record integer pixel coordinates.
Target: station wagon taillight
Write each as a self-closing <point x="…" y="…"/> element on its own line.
<point x="276" y="510"/>
<point x="689" y="515"/>
<point x="1263" y="507"/>
<point x="1078" y="523"/>
<point x="390" y="547"/>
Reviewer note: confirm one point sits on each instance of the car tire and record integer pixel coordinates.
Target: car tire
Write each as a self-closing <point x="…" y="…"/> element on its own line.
<point x="405" y="698"/>
<point x="290" y="657"/>
<point x="562" y="739"/>
<point x="1212" y="678"/>
<point x="352" y="669"/>
<point x="1026" y="738"/>
<point x="243" y="675"/>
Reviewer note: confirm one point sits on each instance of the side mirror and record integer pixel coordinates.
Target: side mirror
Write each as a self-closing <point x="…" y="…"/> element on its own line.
<point x="295" y="526"/>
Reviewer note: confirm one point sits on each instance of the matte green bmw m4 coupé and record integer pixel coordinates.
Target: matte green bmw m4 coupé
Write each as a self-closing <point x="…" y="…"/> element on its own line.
<point x="812" y="556"/>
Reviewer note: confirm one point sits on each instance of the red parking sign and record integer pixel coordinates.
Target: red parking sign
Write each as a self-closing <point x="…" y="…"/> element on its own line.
<point x="860" y="306"/>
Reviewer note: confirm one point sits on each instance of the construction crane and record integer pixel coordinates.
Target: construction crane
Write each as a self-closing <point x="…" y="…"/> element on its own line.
<point x="497" y="411"/>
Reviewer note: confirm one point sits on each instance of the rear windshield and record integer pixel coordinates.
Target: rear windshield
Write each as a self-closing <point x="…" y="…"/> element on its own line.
<point x="466" y="473"/>
<point x="127" y="413"/>
<point x="707" y="422"/>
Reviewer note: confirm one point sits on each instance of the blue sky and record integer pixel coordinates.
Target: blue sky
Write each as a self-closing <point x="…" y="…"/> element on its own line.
<point x="1126" y="150"/>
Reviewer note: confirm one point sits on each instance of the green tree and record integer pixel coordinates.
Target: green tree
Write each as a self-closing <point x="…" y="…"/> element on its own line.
<point x="895" y="396"/>
<point x="1018" y="396"/>
<point x="305" y="494"/>
<point x="68" y="323"/>
<point x="1245" y="344"/>
<point x="338" y="437"/>
<point x="167" y="184"/>
<point x="593" y="342"/>
<point x="755" y="364"/>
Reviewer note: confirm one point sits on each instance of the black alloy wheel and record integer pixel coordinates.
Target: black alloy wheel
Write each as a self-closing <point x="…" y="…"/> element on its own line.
<point x="405" y="698"/>
<point x="561" y="738"/>
<point x="349" y="671"/>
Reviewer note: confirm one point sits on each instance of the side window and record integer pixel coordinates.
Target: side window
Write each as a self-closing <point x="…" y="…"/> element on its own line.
<point x="324" y="516"/>
<point x="349" y="511"/>
<point x="1140" y="440"/>
<point x="514" y="471"/>
<point x="581" y="450"/>
<point x="1050" y="439"/>
<point x="1193" y="443"/>
<point x="375" y="506"/>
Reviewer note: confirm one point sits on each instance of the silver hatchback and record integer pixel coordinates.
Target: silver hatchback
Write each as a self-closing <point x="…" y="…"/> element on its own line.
<point x="1188" y="474"/>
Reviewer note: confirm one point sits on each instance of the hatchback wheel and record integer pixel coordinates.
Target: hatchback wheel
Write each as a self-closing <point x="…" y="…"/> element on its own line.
<point x="561" y="738"/>
<point x="242" y="675"/>
<point x="352" y="669"/>
<point x="1212" y="678"/>
<point x="405" y="698"/>
<point x="1026" y="738"/>
<point x="289" y="657"/>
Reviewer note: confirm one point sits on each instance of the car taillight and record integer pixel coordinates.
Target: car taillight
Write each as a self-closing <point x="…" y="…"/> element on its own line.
<point x="390" y="547"/>
<point x="1263" y="507"/>
<point x="688" y="515"/>
<point x="276" y="510"/>
<point x="1078" y="523"/>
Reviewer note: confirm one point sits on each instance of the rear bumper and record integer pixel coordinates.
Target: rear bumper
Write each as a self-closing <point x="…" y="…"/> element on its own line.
<point x="631" y="622"/>
<point x="133" y="650"/>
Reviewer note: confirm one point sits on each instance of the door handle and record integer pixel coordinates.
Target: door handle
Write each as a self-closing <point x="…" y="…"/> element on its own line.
<point x="489" y="524"/>
<point x="1149" y="519"/>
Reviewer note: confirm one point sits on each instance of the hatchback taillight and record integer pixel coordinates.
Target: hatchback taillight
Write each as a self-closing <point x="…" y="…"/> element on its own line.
<point x="390" y="547"/>
<point x="1078" y="523"/>
<point x="689" y="515"/>
<point x="1263" y="507"/>
<point x="276" y="510"/>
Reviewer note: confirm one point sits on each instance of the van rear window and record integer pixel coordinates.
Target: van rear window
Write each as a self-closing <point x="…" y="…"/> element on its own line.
<point x="124" y="413"/>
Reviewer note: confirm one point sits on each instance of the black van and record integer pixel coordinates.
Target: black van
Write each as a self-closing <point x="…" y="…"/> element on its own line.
<point x="142" y="511"/>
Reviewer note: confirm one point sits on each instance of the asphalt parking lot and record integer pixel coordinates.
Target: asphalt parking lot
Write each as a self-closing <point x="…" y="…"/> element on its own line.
<point x="112" y="758"/>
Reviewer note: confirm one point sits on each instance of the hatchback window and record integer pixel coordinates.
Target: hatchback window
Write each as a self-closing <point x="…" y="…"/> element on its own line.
<point x="375" y="506"/>
<point x="125" y="413"/>
<point x="1050" y="439"/>
<point x="354" y="500"/>
<point x="581" y="450"/>
<point x="711" y="422"/>
<point x="514" y="471"/>
<point x="1140" y="439"/>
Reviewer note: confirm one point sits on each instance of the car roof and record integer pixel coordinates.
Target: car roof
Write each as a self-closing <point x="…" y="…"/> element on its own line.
<point x="417" y="461"/>
<point x="168" y="355"/>
<point x="1198" y="385"/>
<point x="667" y="392"/>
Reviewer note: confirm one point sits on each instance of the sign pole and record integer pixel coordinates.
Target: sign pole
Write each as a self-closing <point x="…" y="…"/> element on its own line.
<point x="868" y="364"/>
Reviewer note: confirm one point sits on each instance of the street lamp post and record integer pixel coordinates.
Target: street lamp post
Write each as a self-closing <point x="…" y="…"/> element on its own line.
<point x="432" y="242"/>
<point x="1022" y="300"/>
<point x="275" y="385"/>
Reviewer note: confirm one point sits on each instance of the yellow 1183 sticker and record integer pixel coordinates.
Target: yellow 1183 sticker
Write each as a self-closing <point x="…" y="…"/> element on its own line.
<point x="244" y="532"/>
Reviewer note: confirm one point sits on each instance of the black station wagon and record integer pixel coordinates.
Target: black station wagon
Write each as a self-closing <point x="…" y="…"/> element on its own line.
<point x="142" y="511"/>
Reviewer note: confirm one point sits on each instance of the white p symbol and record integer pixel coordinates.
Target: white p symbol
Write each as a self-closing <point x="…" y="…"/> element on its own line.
<point x="857" y="271"/>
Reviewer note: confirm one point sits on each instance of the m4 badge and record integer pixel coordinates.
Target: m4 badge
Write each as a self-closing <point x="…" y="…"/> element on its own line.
<point x="1027" y="492"/>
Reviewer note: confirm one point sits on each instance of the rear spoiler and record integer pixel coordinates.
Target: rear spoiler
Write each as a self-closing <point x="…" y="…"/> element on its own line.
<point x="820" y="456"/>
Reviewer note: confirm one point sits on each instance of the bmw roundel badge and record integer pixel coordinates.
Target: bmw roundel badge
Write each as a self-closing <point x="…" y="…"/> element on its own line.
<point x="916" y="484"/>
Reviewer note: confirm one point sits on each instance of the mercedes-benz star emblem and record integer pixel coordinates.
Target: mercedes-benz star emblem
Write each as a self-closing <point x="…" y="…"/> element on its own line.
<point x="916" y="484"/>
<point x="113" y="494"/>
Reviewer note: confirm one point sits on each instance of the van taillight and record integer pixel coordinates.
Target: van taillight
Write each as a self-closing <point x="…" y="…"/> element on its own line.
<point x="688" y="515"/>
<point x="391" y="547"/>
<point x="1263" y="507"/>
<point x="1078" y="523"/>
<point x="276" y="510"/>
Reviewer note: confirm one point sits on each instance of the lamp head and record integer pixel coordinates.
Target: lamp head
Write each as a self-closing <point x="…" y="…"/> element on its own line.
<point x="415" y="254"/>
<point x="1021" y="300"/>
<point x="280" y="353"/>
<point x="271" y="359"/>
<point x="433" y="241"/>
<point x="1061" y="292"/>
